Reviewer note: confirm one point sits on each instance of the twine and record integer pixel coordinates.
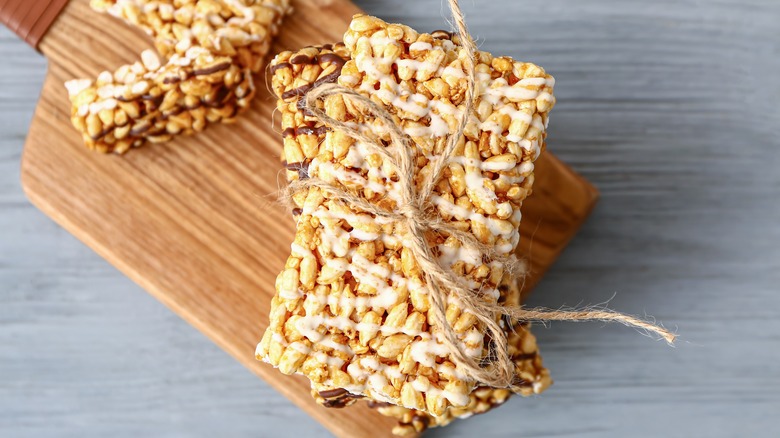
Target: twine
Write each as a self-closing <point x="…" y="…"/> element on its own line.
<point x="415" y="215"/>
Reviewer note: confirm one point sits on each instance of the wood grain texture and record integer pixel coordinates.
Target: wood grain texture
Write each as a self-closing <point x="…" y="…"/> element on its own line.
<point x="194" y="222"/>
<point x="30" y="19"/>
<point x="668" y="106"/>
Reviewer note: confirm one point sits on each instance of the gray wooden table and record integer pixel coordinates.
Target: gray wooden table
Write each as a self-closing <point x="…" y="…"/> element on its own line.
<point x="669" y="107"/>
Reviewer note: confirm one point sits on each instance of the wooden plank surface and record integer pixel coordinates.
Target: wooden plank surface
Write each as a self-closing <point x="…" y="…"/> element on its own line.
<point x="194" y="222"/>
<point x="686" y="230"/>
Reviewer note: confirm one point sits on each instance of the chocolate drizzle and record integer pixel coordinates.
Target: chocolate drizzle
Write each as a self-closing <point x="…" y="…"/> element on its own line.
<point x="338" y="398"/>
<point x="332" y="393"/>
<point x="424" y="419"/>
<point x="102" y="133"/>
<point x="302" y="59"/>
<point x="337" y="403"/>
<point x="279" y="66"/>
<point x="140" y="127"/>
<point x="155" y="100"/>
<point x="171" y="80"/>
<point x="211" y="69"/>
<point x="308" y="130"/>
<point x="332" y="58"/>
<point x="172" y="112"/>
<point x="304" y="130"/>
<point x="329" y="58"/>
<point x="442" y="35"/>
<point x="222" y="94"/>
<point x="328" y="79"/>
<point x="524" y="356"/>
<point x="302" y="169"/>
<point x="296" y="92"/>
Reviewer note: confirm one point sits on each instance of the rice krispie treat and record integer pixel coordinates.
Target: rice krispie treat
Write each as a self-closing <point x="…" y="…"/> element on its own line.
<point x="212" y="48"/>
<point x="149" y="101"/>
<point x="352" y="310"/>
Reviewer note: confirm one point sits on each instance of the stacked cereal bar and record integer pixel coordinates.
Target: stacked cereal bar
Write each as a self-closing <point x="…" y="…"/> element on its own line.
<point x="212" y="48"/>
<point x="351" y="310"/>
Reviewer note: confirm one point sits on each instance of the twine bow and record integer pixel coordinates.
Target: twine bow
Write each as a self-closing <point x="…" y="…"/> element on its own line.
<point x="415" y="216"/>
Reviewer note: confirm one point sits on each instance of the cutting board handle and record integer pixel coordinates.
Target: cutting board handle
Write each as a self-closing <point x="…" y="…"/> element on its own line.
<point x="30" y="19"/>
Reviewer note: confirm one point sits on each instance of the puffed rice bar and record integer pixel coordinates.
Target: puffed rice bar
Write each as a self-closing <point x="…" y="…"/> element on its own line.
<point x="316" y="65"/>
<point x="351" y="310"/>
<point x="147" y="101"/>
<point x="213" y="47"/>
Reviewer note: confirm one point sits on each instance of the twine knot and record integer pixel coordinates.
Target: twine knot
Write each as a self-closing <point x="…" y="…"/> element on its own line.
<point x="412" y="212"/>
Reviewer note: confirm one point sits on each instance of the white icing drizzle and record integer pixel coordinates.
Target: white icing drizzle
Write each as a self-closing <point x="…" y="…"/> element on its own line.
<point x="448" y="255"/>
<point x="496" y="226"/>
<point x="107" y="104"/>
<point x="376" y="276"/>
<point x="336" y="346"/>
<point x="247" y="14"/>
<point x="300" y="251"/>
<point x="290" y="294"/>
<point x="328" y="171"/>
<point x="420" y="46"/>
<point x="76" y="86"/>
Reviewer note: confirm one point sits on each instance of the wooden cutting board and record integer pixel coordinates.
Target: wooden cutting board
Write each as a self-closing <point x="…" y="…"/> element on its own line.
<point x="195" y="221"/>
